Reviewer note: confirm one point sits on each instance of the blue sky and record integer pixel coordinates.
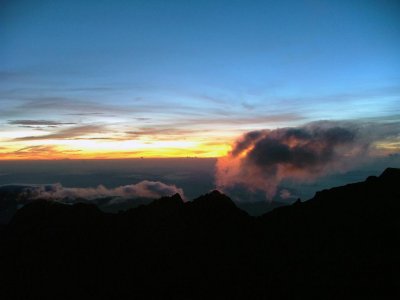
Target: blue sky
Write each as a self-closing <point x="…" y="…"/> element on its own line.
<point x="201" y="71"/>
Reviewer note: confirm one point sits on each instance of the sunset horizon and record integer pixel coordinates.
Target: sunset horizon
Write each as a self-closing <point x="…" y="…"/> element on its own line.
<point x="132" y="79"/>
<point x="265" y="101"/>
<point x="199" y="149"/>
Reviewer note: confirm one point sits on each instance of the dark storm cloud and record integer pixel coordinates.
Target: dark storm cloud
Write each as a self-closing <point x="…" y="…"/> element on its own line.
<point x="262" y="159"/>
<point x="299" y="147"/>
<point x="246" y="140"/>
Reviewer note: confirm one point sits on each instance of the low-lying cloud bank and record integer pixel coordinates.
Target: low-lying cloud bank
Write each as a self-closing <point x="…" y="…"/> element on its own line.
<point x="116" y="199"/>
<point x="143" y="189"/>
<point x="261" y="160"/>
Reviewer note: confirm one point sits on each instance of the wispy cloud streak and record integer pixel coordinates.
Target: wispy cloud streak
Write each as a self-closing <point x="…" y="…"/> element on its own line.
<point x="68" y="133"/>
<point x="38" y="123"/>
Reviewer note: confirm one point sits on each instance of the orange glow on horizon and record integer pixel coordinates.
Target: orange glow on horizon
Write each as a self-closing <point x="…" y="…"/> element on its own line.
<point x="89" y="149"/>
<point x="215" y="145"/>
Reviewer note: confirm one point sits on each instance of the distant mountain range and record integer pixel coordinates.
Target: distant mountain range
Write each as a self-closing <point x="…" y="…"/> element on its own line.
<point x="344" y="242"/>
<point x="13" y="197"/>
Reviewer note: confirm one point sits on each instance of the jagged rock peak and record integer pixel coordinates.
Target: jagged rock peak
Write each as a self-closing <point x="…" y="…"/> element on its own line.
<point x="213" y="198"/>
<point x="174" y="200"/>
<point x="215" y="192"/>
<point x="391" y="173"/>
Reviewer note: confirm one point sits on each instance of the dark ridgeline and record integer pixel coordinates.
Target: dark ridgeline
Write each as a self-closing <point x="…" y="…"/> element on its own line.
<point x="344" y="240"/>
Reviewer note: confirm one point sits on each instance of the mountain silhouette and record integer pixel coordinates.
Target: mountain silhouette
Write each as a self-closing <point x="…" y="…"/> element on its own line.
<point x="344" y="241"/>
<point x="13" y="197"/>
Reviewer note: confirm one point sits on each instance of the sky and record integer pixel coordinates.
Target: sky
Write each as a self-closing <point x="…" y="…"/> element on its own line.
<point x="121" y="79"/>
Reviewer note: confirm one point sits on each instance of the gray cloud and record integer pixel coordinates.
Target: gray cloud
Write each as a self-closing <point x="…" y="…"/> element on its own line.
<point x="68" y="133"/>
<point x="22" y="105"/>
<point x="300" y="147"/>
<point x="109" y="200"/>
<point x="285" y="194"/>
<point x="160" y="131"/>
<point x="38" y="151"/>
<point x="244" y="120"/>
<point x="68" y="104"/>
<point x="35" y="149"/>
<point x="38" y="123"/>
<point x="260" y="160"/>
<point x="143" y="189"/>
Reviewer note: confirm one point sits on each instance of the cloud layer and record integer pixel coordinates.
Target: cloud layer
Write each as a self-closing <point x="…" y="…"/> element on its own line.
<point x="143" y="189"/>
<point x="261" y="160"/>
<point x="38" y="123"/>
<point x="68" y="133"/>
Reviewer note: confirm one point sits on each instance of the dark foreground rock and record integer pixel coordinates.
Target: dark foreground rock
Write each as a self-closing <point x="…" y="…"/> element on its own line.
<point x="344" y="241"/>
